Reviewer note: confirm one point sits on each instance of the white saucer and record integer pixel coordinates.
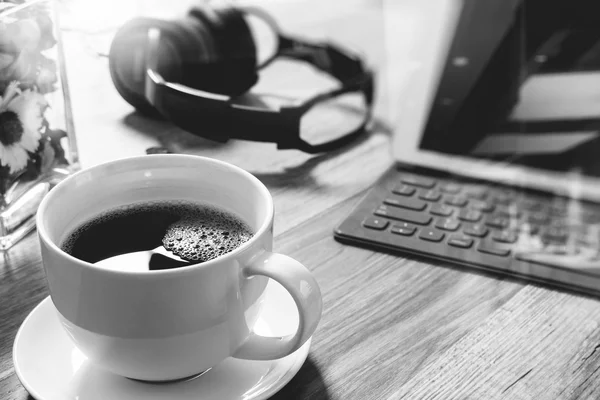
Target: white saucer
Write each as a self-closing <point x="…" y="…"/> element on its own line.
<point x="50" y="367"/>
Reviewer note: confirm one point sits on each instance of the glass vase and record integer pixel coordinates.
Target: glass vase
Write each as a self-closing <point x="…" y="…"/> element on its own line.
<point x="37" y="142"/>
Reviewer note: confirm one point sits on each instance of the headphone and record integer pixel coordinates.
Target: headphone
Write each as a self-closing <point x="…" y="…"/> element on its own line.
<point x="191" y="70"/>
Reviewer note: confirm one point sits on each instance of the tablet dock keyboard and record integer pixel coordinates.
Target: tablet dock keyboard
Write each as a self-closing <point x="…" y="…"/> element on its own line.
<point x="532" y="235"/>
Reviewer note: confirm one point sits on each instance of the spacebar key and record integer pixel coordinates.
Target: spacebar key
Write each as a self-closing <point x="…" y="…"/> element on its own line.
<point x="403" y="215"/>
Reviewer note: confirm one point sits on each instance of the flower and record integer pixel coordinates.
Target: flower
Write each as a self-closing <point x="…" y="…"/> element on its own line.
<point x="23" y="38"/>
<point x="21" y="117"/>
<point x="18" y="41"/>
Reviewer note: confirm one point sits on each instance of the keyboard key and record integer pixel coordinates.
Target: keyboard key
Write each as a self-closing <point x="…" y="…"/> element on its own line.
<point x="491" y="249"/>
<point x="419" y="181"/>
<point x="476" y="230"/>
<point x="404" y="229"/>
<point x="579" y="229"/>
<point x="561" y="250"/>
<point x="457" y="201"/>
<point x="441" y="210"/>
<point x="450" y="188"/>
<point x="447" y="224"/>
<point x="555" y="234"/>
<point x="431" y="195"/>
<point x="528" y="228"/>
<point x="406" y="202"/>
<point x="403" y="215"/>
<point x="592" y="217"/>
<point x="531" y="204"/>
<point x="483" y="206"/>
<point x="478" y="193"/>
<point x="508" y="211"/>
<point x="404" y="190"/>
<point x="505" y="236"/>
<point x="469" y="215"/>
<point x="460" y="241"/>
<point x="558" y="210"/>
<point x="402" y="225"/>
<point x="584" y="240"/>
<point x="540" y="218"/>
<point x="378" y="224"/>
<point x="559" y="223"/>
<point x="505" y="198"/>
<point x="431" y="235"/>
<point x="497" y="222"/>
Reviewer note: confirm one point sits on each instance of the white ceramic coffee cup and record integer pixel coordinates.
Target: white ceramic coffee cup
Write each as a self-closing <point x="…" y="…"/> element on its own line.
<point x="170" y="324"/>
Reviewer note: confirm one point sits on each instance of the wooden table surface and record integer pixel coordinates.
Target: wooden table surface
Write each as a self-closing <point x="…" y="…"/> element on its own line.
<point x="392" y="327"/>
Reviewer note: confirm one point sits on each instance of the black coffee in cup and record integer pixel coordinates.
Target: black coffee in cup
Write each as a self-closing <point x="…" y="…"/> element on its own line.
<point x="156" y="236"/>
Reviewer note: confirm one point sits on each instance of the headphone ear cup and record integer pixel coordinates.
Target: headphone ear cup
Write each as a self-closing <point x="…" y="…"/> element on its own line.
<point x="127" y="58"/>
<point x="235" y="64"/>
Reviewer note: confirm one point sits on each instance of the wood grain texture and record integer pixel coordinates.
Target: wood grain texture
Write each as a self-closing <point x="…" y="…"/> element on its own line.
<point x="22" y="287"/>
<point x="538" y="345"/>
<point x="392" y="327"/>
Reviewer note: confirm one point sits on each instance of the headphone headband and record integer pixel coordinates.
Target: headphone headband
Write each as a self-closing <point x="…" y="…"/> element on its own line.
<point x="222" y="118"/>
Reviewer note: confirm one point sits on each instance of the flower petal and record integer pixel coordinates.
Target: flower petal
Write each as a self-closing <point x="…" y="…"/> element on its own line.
<point x="25" y="33"/>
<point x="6" y="60"/>
<point x="20" y="68"/>
<point x="14" y="156"/>
<point x="29" y="142"/>
<point x="29" y="105"/>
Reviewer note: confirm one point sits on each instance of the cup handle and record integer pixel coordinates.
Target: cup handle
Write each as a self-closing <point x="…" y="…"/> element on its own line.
<point x="303" y="288"/>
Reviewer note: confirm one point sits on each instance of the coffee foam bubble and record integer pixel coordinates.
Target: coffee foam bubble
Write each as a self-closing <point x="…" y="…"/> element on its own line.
<point x="205" y="233"/>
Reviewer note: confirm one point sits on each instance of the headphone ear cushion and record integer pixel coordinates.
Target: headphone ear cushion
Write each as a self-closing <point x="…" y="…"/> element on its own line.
<point x="127" y="57"/>
<point x="235" y="65"/>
